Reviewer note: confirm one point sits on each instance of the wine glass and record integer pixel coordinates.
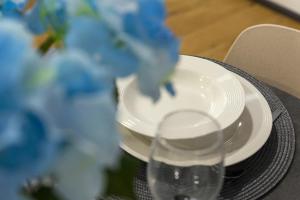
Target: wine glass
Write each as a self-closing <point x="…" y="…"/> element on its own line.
<point x="186" y="161"/>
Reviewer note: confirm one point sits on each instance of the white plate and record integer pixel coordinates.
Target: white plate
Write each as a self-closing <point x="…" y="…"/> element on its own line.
<point x="200" y="84"/>
<point x="254" y="130"/>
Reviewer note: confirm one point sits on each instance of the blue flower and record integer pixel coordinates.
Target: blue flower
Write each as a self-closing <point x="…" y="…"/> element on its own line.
<point x="124" y="36"/>
<point x="95" y="38"/>
<point x="129" y="37"/>
<point x="95" y="147"/>
<point x="77" y="102"/>
<point x="27" y="143"/>
<point x="76" y="74"/>
<point x="81" y="104"/>
<point x="80" y="177"/>
<point x="27" y="149"/>
<point x="82" y="87"/>
<point x="24" y="141"/>
<point x="15" y="43"/>
<point x="140" y="25"/>
<point x="47" y="15"/>
<point x="55" y="15"/>
<point x="57" y="113"/>
<point x="13" y="8"/>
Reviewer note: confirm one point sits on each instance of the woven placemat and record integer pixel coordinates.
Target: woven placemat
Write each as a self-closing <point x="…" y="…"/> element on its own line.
<point x="261" y="172"/>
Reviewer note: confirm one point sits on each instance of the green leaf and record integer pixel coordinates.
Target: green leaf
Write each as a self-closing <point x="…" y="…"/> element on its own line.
<point x="120" y="181"/>
<point x="47" y="44"/>
<point x="43" y="193"/>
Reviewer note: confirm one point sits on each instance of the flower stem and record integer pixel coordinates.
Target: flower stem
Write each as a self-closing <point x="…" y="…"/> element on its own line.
<point x="46" y="45"/>
<point x="116" y="92"/>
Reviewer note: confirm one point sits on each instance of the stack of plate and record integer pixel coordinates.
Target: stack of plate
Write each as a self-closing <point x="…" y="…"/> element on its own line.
<point x="240" y="109"/>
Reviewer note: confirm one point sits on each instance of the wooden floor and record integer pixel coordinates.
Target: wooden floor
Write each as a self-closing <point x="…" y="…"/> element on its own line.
<point x="208" y="27"/>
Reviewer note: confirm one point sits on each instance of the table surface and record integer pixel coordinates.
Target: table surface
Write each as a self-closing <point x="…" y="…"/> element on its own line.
<point x="208" y="27"/>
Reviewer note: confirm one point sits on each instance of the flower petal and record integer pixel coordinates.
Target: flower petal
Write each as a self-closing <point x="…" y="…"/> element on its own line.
<point x="79" y="176"/>
<point x="95" y="38"/>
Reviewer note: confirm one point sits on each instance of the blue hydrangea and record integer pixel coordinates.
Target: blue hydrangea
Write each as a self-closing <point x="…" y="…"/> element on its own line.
<point x="94" y="37"/>
<point x="27" y="150"/>
<point x="139" y="26"/>
<point x="78" y="75"/>
<point x="67" y="97"/>
<point x="13" y="8"/>
<point x="80" y="102"/>
<point x="15" y="45"/>
<point x="47" y="15"/>
<point x="81" y="87"/>
<point x="95" y="147"/>
<point x="124" y="36"/>
<point x="27" y="145"/>
<point x="55" y="15"/>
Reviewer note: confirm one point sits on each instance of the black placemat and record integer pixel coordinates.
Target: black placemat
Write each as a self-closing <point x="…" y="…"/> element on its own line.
<point x="268" y="166"/>
<point x="288" y="188"/>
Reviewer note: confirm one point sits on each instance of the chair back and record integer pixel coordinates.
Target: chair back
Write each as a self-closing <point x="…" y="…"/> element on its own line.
<point x="271" y="53"/>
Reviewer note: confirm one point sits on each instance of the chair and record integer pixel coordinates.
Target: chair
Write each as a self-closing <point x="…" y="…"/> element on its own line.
<point x="271" y="53"/>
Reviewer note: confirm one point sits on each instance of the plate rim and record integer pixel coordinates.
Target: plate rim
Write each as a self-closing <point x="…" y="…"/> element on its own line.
<point x="250" y="149"/>
<point x="245" y="151"/>
<point x="236" y="101"/>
